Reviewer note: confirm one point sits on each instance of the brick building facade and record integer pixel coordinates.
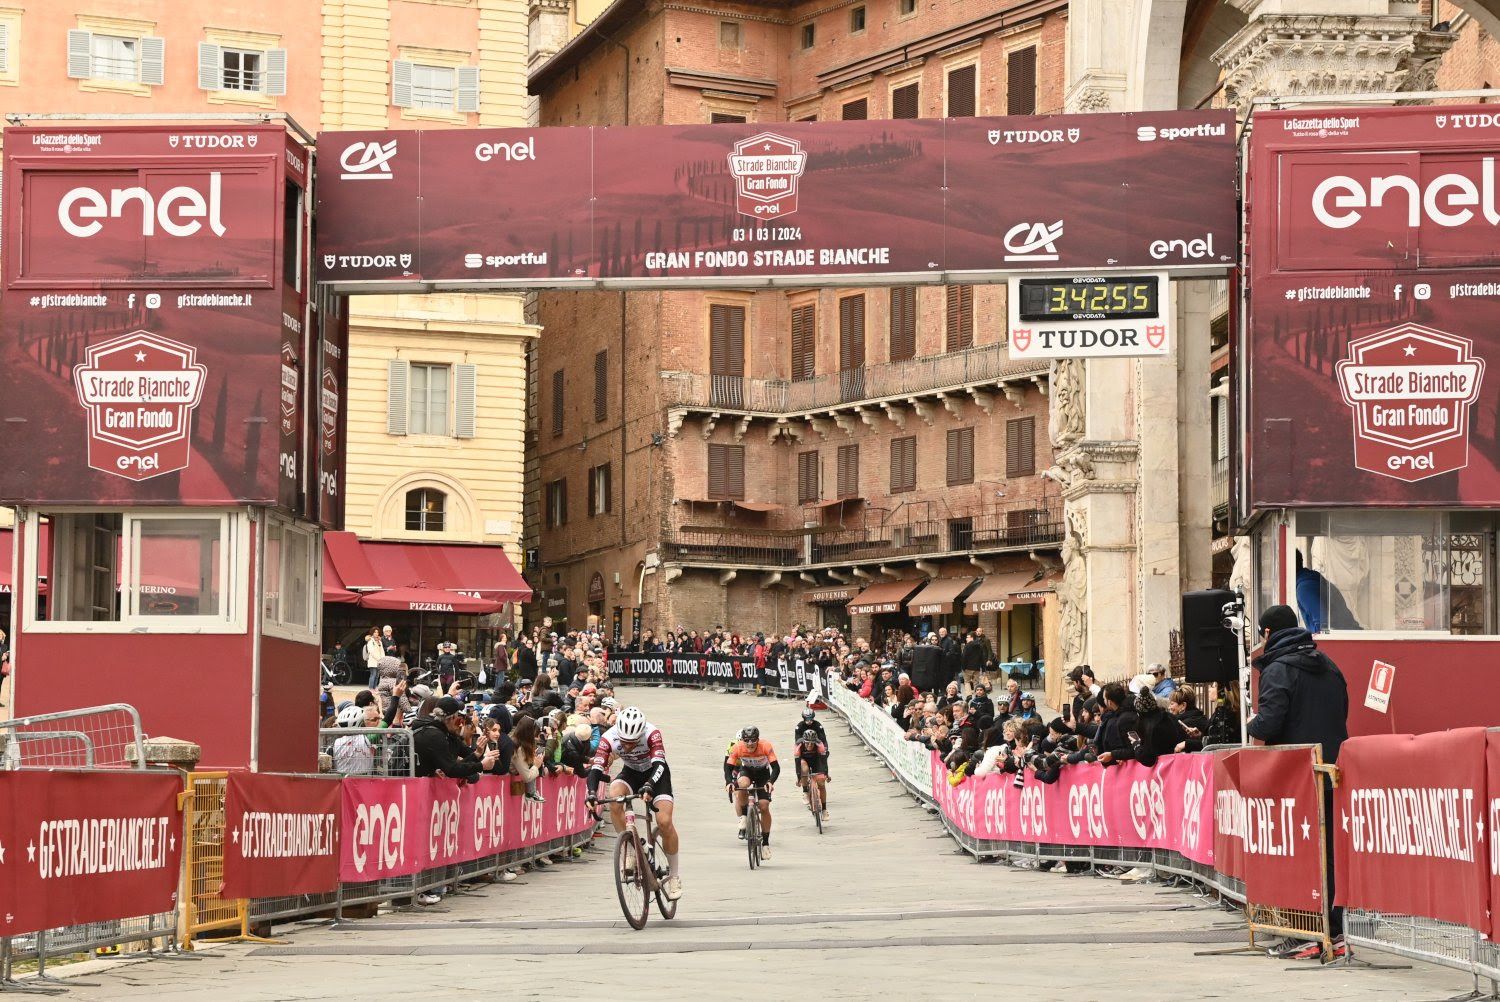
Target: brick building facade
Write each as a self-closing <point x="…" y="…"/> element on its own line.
<point x="757" y="459"/>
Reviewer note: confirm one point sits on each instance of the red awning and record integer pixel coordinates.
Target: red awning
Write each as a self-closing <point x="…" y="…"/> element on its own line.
<point x="348" y="557"/>
<point x="333" y="585"/>
<point x="481" y="571"/>
<point x="428" y="600"/>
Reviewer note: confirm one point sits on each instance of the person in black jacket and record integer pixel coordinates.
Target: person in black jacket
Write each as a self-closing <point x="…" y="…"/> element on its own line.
<point x="440" y="750"/>
<point x="952" y="657"/>
<point x="1110" y="741"/>
<point x="972" y="659"/>
<point x="523" y="663"/>
<point x="1183" y="704"/>
<point x="1303" y="696"/>
<point x="1303" y="700"/>
<point x="1149" y="731"/>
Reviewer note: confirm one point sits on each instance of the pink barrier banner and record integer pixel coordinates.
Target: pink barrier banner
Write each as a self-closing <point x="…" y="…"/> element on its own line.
<point x="281" y="835"/>
<point x="397" y="827"/>
<point x="1492" y="810"/>
<point x="1409" y="825"/>
<point x="1168" y="806"/>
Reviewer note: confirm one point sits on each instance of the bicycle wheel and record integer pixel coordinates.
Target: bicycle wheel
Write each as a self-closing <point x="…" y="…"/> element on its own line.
<point x="635" y="899"/>
<point x="815" y="801"/>
<point x="665" y="905"/>
<point x="752" y="834"/>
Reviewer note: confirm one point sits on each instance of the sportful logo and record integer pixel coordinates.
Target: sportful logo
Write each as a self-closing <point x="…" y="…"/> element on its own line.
<point x="367" y="161"/>
<point x="1410" y="388"/>
<point x="1151" y="133"/>
<point x="1033" y="241"/>
<point x="765" y="169"/>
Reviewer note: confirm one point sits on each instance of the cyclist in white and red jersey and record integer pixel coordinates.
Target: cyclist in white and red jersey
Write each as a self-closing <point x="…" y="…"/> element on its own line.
<point x="644" y="771"/>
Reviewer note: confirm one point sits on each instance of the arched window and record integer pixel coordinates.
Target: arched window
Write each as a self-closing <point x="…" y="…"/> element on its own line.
<point x="425" y="509"/>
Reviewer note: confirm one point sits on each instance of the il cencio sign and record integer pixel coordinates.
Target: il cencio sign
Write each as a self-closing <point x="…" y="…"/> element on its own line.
<point x="789" y="201"/>
<point x="1374" y="278"/>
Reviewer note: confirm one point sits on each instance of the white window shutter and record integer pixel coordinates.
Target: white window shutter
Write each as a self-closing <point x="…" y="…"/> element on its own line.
<point x="396" y="407"/>
<point x="80" y="55"/>
<point x="4" y="47"/>
<point x="468" y="88"/>
<point x="153" y="59"/>
<point x="401" y="83"/>
<point x="210" y="67"/>
<point x="466" y="378"/>
<point x="276" y="72"/>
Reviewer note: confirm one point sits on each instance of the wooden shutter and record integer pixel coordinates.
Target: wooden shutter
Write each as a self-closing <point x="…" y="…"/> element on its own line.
<point x="276" y="72"/>
<point x="593" y="491"/>
<point x="726" y="340"/>
<point x="719" y="118"/>
<point x="960" y="456"/>
<point x="904" y="102"/>
<point x="557" y="402"/>
<point x="465" y="402"/>
<point x="401" y="83"/>
<point x="903" y="464"/>
<point x="562" y="502"/>
<point x="808" y="488"/>
<point x="1020" y="447"/>
<point x="960" y="317"/>
<point x="857" y="111"/>
<point x="804" y="341"/>
<point x="398" y="380"/>
<point x="961" y="102"/>
<point x="153" y="60"/>
<point x="608" y="485"/>
<point x="601" y="385"/>
<point x="903" y="322"/>
<point x="848" y="485"/>
<point x="852" y="332"/>
<point x="467" y="97"/>
<point x="80" y="55"/>
<point x="4" y="47"/>
<point x="1020" y="82"/>
<point x="210" y="67"/>
<point x="726" y="472"/>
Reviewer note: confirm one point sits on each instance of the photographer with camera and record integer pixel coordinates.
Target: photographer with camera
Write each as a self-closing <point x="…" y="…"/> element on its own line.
<point x="441" y="750"/>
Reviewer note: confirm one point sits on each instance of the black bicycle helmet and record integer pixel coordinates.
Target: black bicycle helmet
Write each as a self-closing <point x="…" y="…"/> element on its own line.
<point x="750" y="735"/>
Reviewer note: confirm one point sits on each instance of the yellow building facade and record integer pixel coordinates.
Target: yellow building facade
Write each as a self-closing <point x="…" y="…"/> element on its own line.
<point x="335" y="65"/>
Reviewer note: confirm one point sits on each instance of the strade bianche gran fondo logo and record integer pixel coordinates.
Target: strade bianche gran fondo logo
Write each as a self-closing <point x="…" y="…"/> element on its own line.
<point x="765" y="169"/>
<point x="140" y="390"/>
<point x="1411" y="388"/>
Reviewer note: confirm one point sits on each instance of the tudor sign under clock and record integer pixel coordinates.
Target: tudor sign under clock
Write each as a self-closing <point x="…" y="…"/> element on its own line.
<point x="1089" y="316"/>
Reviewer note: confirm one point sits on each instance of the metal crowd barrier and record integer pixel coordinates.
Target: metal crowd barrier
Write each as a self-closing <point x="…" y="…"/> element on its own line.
<point x="105" y="737"/>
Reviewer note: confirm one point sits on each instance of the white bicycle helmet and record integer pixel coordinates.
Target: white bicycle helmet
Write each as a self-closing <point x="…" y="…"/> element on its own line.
<point x="632" y="723"/>
<point x="351" y="716"/>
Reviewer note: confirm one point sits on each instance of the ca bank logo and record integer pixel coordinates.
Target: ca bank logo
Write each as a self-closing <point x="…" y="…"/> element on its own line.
<point x="1033" y="241"/>
<point x="367" y="161"/>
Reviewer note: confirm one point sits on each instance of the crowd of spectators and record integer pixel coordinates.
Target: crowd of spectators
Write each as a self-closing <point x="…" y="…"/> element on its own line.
<point x="543" y="715"/>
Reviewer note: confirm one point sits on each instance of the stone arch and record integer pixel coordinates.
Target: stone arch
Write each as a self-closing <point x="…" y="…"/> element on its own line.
<point x="1172" y="52"/>
<point x="461" y="516"/>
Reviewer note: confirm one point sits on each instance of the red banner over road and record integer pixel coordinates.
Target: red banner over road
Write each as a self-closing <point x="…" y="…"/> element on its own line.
<point x="1266" y="831"/>
<point x="1168" y="806"/>
<point x="280" y="835"/>
<point x="397" y="827"/>
<point x="1409" y="825"/>
<point x="665" y="205"/>
<point x="87" y="847"/>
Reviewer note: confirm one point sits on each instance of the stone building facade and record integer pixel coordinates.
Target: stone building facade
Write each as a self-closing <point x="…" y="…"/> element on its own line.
<point x="727" y="457"/>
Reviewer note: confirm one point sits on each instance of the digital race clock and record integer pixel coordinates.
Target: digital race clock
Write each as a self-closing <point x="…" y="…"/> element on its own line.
<point x="1089" y="316"/>
<point x="1046" y="300"/>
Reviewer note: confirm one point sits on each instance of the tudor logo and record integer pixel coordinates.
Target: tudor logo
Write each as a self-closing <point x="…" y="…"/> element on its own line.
<point x="179" y="211"/>
<point x="329" y="260"/>
<point x="1410" y="388"/>
<point x="1033" y="241"/>
<point x="367" y="161"/>
<point x="1156" y="335"/>
<point x="1021" y="338"/>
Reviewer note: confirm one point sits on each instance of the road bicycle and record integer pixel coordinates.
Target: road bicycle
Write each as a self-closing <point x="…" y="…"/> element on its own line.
<point x="752" y="823"/>
<point x="639" y="874"/>
<point x="336" y="672"/>
<point x="814" y="800"/>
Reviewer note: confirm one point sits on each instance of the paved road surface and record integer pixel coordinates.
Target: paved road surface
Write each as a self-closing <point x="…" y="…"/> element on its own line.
<point x="879" y="904"/>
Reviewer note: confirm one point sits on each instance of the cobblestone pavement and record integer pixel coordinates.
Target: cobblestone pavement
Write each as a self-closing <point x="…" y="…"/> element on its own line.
<point x="881" y="903"/>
